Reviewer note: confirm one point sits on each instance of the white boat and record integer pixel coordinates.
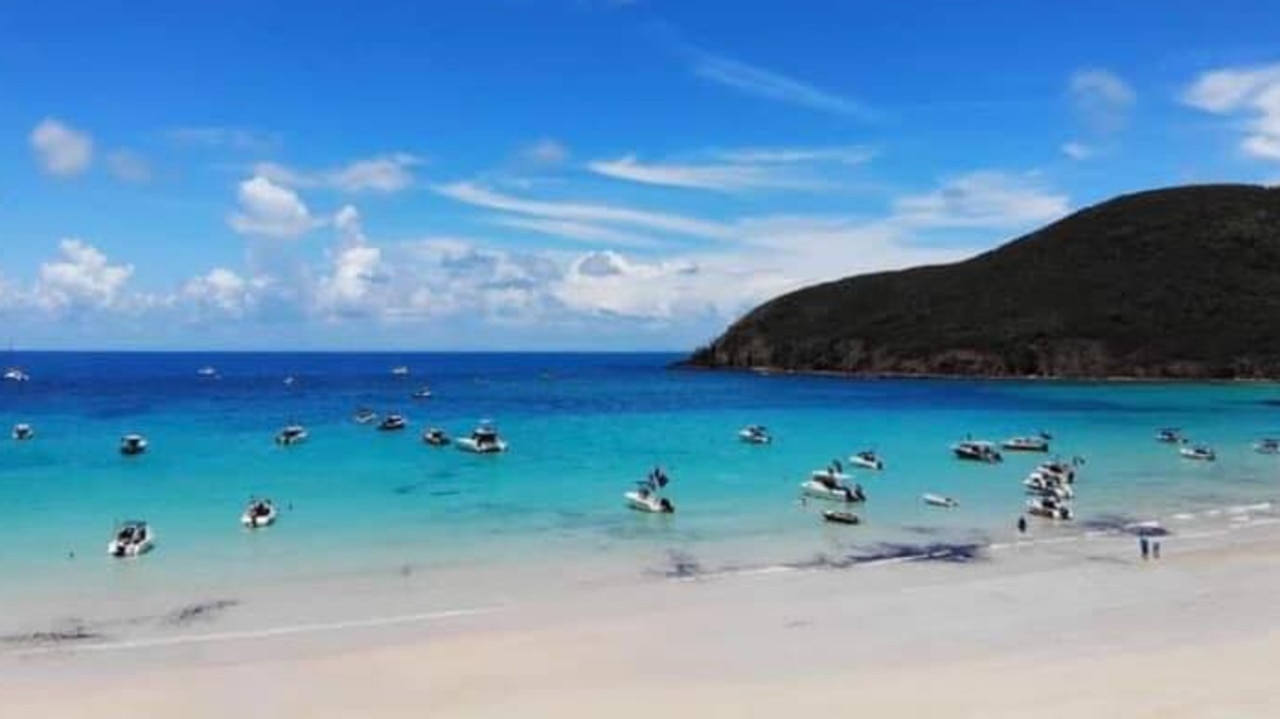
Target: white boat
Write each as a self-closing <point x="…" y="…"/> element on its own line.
<point x="1059" y="469"/>
<point x="392" y="423"/>
<point x="937" y="500"/>
<point x="755" y="434"/>
<point x="831" y="488"/>
<point x="647" y="496"/>
<point x="1267" y="446"/>
<point x="131" y="539"/>
<point x="23" y="432"/>
<point x="291" y="435"/>
<point x="1043" y="486"/>
<point x="483" y="440"/>
<point x="976" y="451"/>
<point x="1169" y="435"/>
<point x="16" y="374"/>
<point x="836" y="516"/>
<point x="364" y="416"/>
<point x="1198" y="452"/>
<point x="1026" y="444"/>
<point x="260" y="513"/>
<point x="1049" y="508"/>
<point x="867" y="460"/>
<point x="133" y="444"/>
<point x="422" y="393"/>
<point x="435" y="437"/>
<point x="400" y="371"/>
<point x="290" y="381"/>
<point x="207" y="372"/>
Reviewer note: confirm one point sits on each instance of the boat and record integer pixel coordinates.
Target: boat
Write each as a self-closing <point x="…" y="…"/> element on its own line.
<point x="1026" y="444"/>
<point x="23" y="432"/>
<point x="133" y="444"/>
<point x="1267" y="446"/>
<point x="400" y="371"/>
<point x="291" y="435"/>
<point x="867" y="460"/>
<point x="837" y="517"/>
<point x="1169" y="435"/>
<point x="290" y="381"/>
<point x="830" y="484"/>
<point x="131" y="538"/>
<point x="423" y="393"/>
<point x="1047" y="487"/>
<point x="1049" y="508"/>
<point x="1198" y="452"/>
<point x="207" y="371"/>
<point x="976" y="451"/>
<point x="16" y="374"/>
<point x="435" y="437"/>
<point x="484" y="439"/>
<point x="937" y="500"/>
<point x="392" y="423"/>
<point x="260" y="513"/>
<point x="755" y="434"/>
<point x="364" y="415"/>
<point x="647" y="496"/>
<point x="1057" y="468"/>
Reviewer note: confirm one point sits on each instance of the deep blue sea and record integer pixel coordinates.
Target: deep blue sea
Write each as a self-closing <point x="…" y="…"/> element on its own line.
<point x="582" y="429"/>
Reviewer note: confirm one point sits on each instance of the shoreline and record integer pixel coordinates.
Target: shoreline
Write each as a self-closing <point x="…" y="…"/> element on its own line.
<point x="770" y="371"/>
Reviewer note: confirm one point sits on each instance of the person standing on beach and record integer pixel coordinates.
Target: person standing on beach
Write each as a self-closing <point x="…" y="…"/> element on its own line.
<point x="1022" y="525"/>
<point x="1144" y="546"/>
<point x="1155" y="549"/>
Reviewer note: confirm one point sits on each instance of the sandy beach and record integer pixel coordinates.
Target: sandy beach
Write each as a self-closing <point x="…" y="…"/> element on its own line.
<point x="1052" y="628"/>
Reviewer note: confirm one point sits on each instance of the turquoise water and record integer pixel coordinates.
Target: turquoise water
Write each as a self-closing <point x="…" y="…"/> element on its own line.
<point x="582" y="429"/>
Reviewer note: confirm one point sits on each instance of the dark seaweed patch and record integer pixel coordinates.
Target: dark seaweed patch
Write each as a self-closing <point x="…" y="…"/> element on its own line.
<point x="681" y="565"/>
<point x="201" y="611"/>
<point x="73" y="630"/>
<point x="950" y="553"/>
<point x="408" y="488"/>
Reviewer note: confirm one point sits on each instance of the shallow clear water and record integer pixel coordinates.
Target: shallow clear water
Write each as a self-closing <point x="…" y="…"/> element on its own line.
<point x="582" y="428"/>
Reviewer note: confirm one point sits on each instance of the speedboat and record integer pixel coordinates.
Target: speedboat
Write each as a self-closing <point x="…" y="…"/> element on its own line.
<point x="483" y="440"/>
<point x="976" y="451"/>
<point x="291" y="435"/>
<point x="131" y="539"/>
<point x="1267" y="446"/>
<point x="867" y="460"/>
<point x="260" y="513"/>
<point x="133" y="444"/>
<point x="755" y="434"/>
<point x="392" y="423"/>
<point x="647" y="497"/>
<point x="23" y="432"/>
<point x="422" y="393"/>
<point x="830" y="485"/>
<point x="1198" y="452"/>
<point x="435" y="437"/>
<point x="400" y="371"/>
<point x="1059" y="469"/>
<point x="290" y="381"/>
<point x="207" y="371"/>
<point x="837" y="517"/>
<point x="364" y="415"/>
<point x="1049" y="508"/>
<point x="16" y="374"/>
<point x="1047" y="487"/>
<point x="1169" y="435"/>
<point x="937" y="500"/>
<point x="1026" y="444"/>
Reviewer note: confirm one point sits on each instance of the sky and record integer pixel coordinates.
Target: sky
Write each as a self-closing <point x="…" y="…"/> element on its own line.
<point x="571" y="174"/>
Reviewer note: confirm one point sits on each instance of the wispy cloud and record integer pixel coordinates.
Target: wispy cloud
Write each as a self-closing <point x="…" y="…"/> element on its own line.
<point x="738" y="170"/>
<point x="384" y="173"/>
<point x="1102" y="99"/>
<point x="982" y="199"/>
<point x="844" y="155"/>
<point x="235" y="138"/>
<point x="771" y="85"/>
<point x="584" y="232"/>
<point x="1250" y="94"/>
<point x="472" y="194"/>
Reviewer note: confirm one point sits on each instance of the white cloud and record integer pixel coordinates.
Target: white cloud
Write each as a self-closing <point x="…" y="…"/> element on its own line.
<point x="128" y="166"/>
<point x="1078" y="150"/>
<point x="234" y="138"/>
<point x="578" y="231"/>
<point x="269" y="210"/>
<point x="545" y="152"/>
<point x="774" y="86"/>
<point x="384" y="173"/>
<point x="61" y="149"/>
<point x="81" y="278"/>
<point x="984" y="199"/>
<point x="844" y="155"/>
<point x="223" y="290"/>
<point x="1101" y="98"/>
<point x="473" y="194"/>
<point x="724" y="177"/>
<point x="1251" y="95"/>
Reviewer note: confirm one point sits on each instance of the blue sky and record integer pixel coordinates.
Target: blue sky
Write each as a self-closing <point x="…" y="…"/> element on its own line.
<point x="571" y="174"/>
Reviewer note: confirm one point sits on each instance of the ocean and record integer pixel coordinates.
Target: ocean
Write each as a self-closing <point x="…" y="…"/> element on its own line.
<point x="582" y="429"/>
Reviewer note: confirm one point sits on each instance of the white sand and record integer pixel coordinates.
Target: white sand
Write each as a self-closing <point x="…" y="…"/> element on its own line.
<point x="1077" y="628"/>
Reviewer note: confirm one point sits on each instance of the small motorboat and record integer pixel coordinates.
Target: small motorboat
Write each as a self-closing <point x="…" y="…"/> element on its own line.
<point x="937" y="500"/>
<point x="837" y="517"/>
<point x="435" y="437"/>
<point x="392" y="423"/>
<point x="1169" y="435"/>
<point x="400" y="371"/>
<point x="755" y="434"/>
<point x="1267" y="446"/>
<point x="16" y="374"/>
<point x="1059" y="469"/>
<point x="290" y="381"/>
<point x="132" y="445"/>
<point x="830" y="484"/>
<point x="976" y="451"/>
<point x="207" y="372"/>
<point x="647" y="496"/>
<point x="1026" y="444"/>
<point x="421" y="393"/>
<point x="132" y="538"/>
<point x="260" y="513"/>
<point x="291" y="435"/>
<point x="23" y="432"/>
<point x="1198" y="452"/>
<point x="1045" y="486"/>
<point x="484" y="439"/>
<point x="1049" y="508"/>
<point x="867" y="459"/>
<point x="365" y="415"/>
